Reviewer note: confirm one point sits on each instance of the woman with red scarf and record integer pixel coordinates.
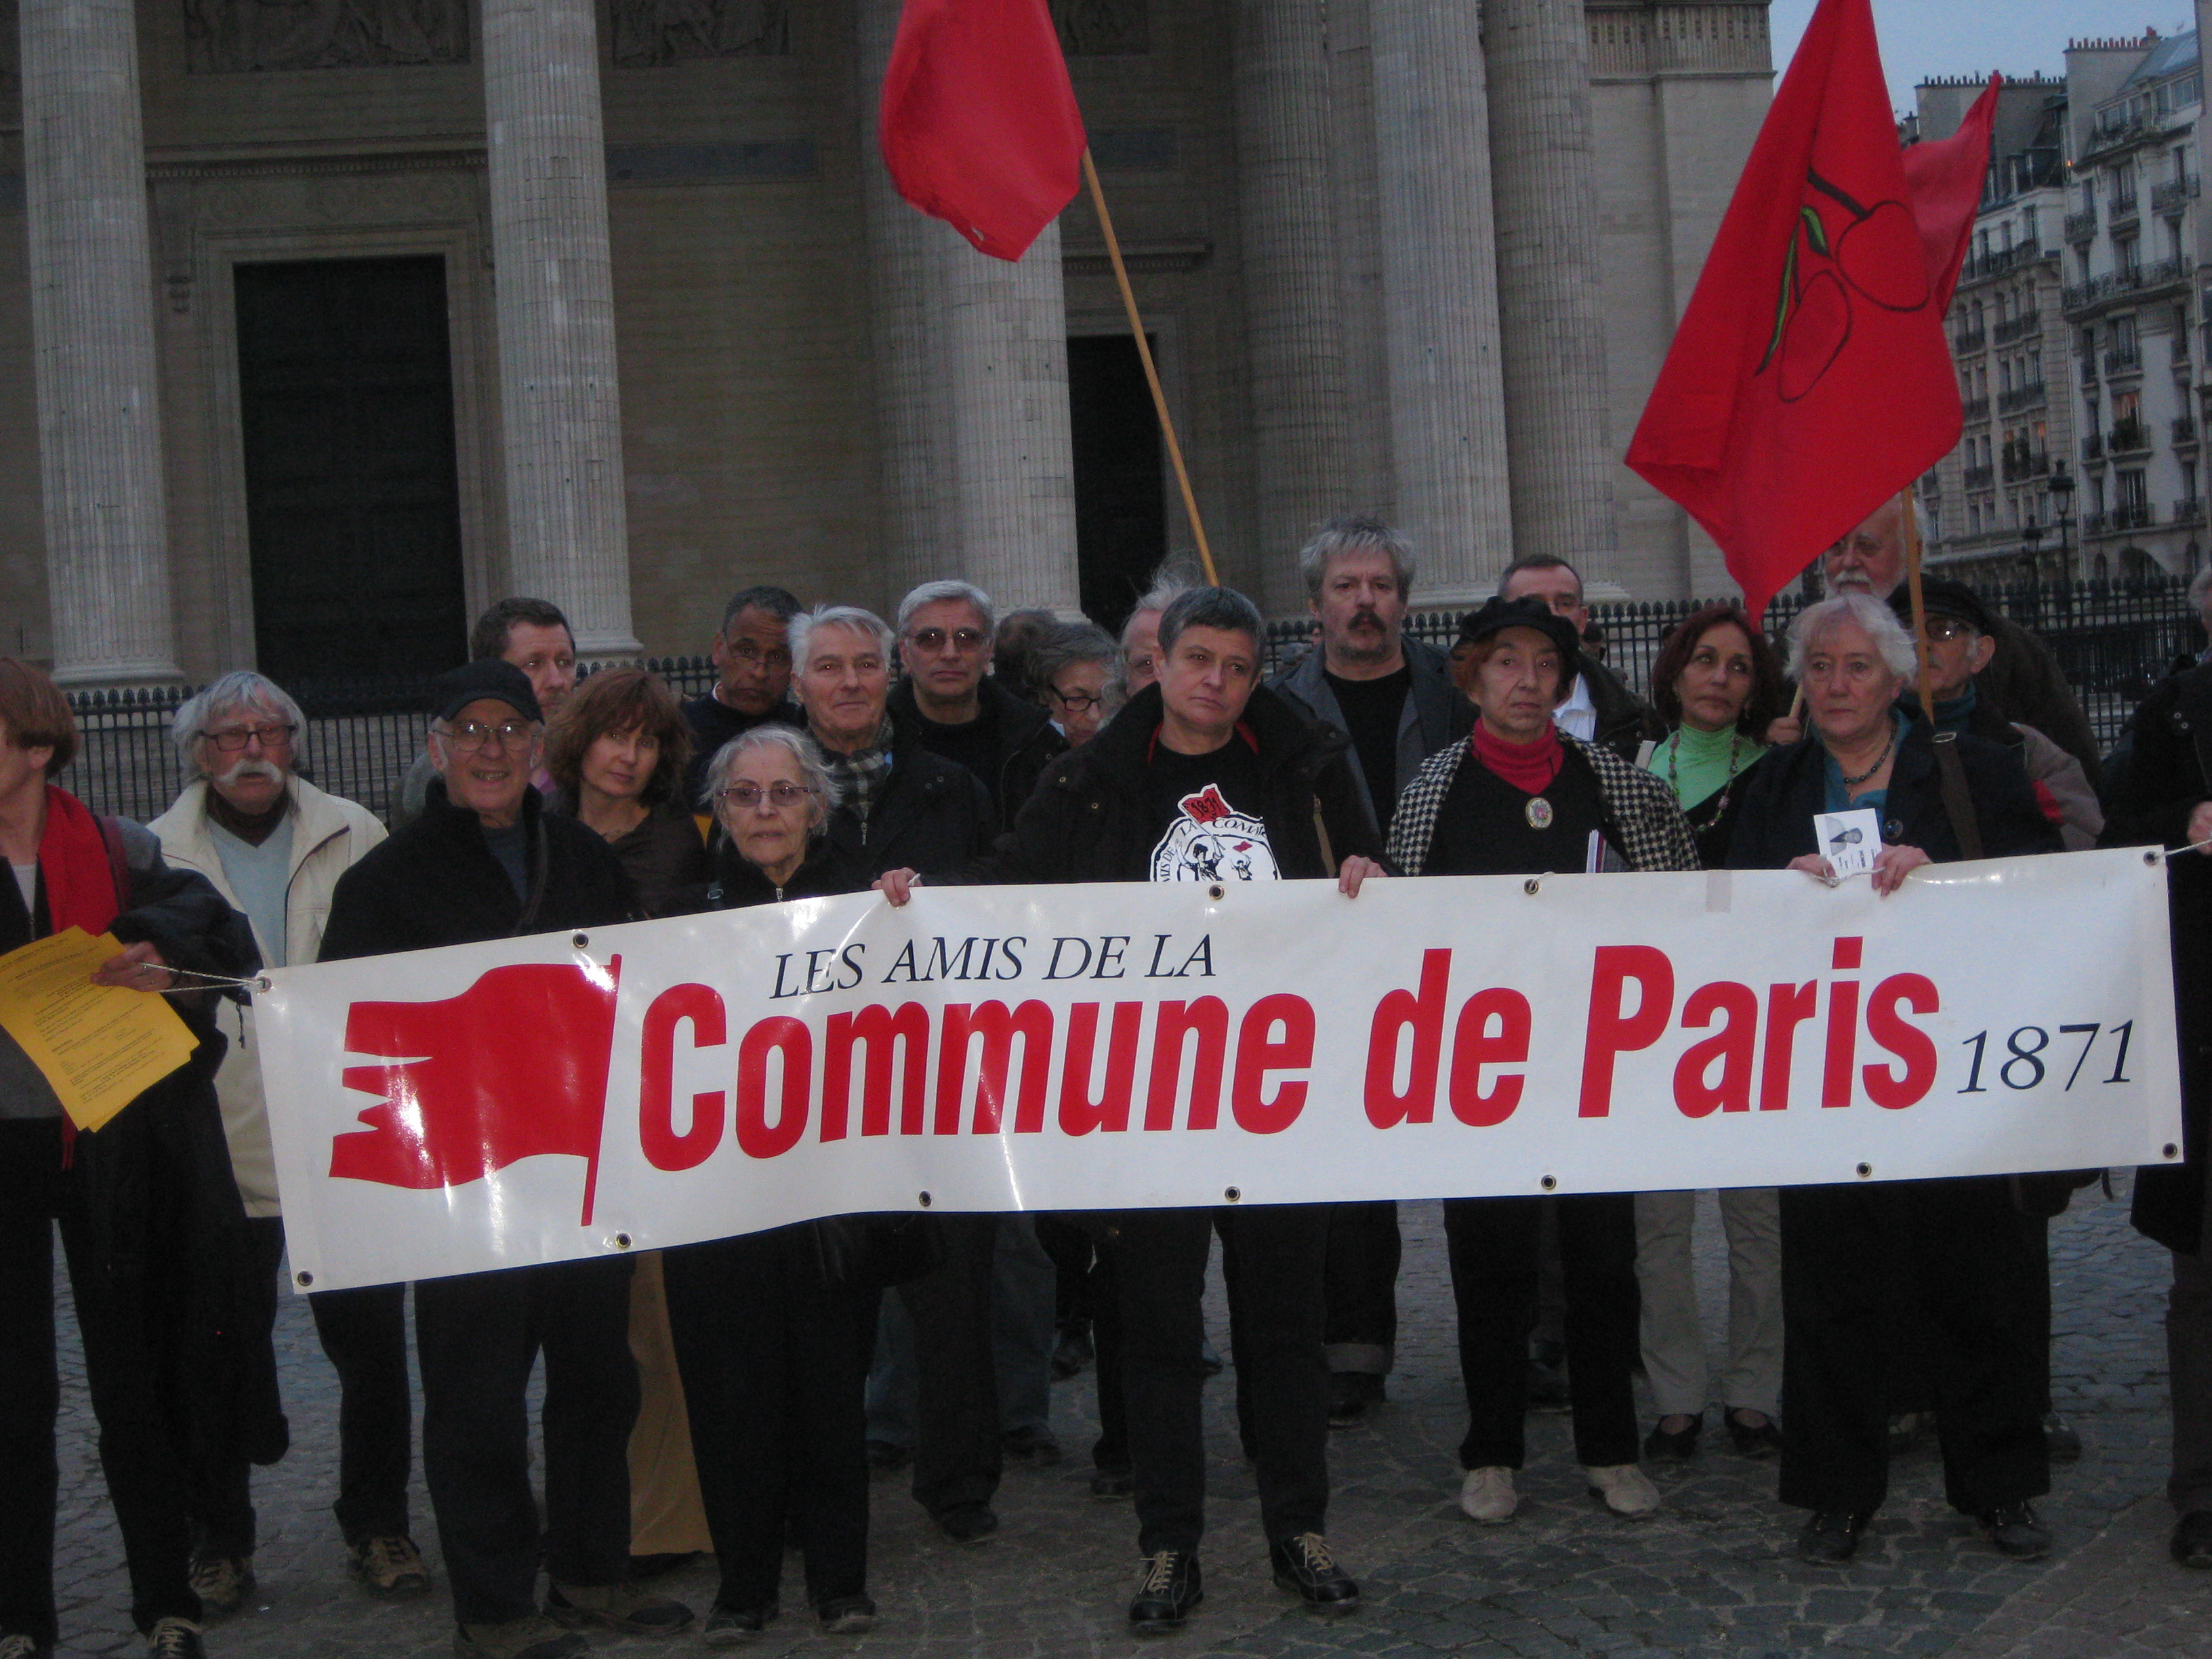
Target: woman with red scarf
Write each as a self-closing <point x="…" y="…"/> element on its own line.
<point x="1521" y="798"/>
<point x="145" y="1206"/>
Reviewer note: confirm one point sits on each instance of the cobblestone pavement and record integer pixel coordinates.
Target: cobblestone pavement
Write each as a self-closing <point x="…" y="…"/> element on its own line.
<point x="1712" y="1574"/>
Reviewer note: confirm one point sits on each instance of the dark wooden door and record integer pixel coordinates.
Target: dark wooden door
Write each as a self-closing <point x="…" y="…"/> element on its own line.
<point x="353" y="508"/>
<point x="1121" y="491"/>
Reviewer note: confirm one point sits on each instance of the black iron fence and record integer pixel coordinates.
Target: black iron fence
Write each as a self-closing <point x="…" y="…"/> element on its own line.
<point x="2113" y="639"/>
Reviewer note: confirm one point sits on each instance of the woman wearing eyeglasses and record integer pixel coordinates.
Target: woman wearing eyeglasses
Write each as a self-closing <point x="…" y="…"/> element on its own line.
<point x="1077" y="675"/>
<point x="617" y="751"/>
<point x="774" y="1356"/>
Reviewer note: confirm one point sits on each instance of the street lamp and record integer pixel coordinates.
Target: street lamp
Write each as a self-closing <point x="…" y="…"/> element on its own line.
<point x="2060" y="486"/>
<point x="2031" y="538"/>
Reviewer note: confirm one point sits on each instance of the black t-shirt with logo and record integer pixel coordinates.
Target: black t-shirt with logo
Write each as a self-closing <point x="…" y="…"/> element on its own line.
<point x="1208" y="808"/>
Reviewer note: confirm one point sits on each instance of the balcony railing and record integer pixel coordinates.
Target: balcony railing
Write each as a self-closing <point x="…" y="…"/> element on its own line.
<point x="2092" y="446"/>
<point x="2096" y="523"/>
<point x="2000" y="260"/>
<point x="2124" y="211"/>
<point x="2185" y="429"/>
<point x="2123" y="360"/>
<point x="2021" y="396"/>
<point x="2132" y="515"/>
<point x="2131" y="279"/>
<point x="1977" y="477"/>
<point x="2174" y="194"/>
<point x="2019" y="464"/>
<point x="2128" y="436"/>
<point x="2081" y="227"/>
<point x="1969" y="340"/>
<point x="2014" y="328"/>
<point x="2189" y="510"/>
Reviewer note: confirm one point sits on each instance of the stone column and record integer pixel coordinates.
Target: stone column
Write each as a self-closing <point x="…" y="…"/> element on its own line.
<point x="1288" y="209"/>
<point x="913" y="411"/>
<point x="91" y="329"/>
<point x="1550" y="294"/>
<point x="559" y="401"/>
<point x="1440" y="292"/>
<point x="978" y="467"/>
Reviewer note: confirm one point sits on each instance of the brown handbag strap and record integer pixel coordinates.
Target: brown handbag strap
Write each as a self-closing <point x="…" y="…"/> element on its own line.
<point x="1958" y="806"/>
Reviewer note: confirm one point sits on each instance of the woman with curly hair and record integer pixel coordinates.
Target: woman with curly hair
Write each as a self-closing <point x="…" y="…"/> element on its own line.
<point x="616" y="751"/>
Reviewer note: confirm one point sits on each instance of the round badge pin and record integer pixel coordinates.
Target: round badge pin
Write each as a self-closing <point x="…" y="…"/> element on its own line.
<point x="1540" y="812"/>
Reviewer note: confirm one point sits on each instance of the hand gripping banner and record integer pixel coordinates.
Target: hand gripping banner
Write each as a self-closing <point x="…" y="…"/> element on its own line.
<point x="1106" y="1046"/>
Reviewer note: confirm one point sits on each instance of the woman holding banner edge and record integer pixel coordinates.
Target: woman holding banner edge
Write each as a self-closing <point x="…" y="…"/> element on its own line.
<point x="1521" y="798"/>
<point x="1953" y="1249"/>
<point x="772" y="1345"/>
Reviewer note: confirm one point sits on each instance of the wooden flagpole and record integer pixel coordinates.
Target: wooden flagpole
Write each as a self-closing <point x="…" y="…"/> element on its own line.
<point x="1151" y="374"/>
<point x="1909" y="524"/>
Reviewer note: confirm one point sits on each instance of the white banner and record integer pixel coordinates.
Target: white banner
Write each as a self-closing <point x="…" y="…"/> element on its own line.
<point x="1127" y="1046"/>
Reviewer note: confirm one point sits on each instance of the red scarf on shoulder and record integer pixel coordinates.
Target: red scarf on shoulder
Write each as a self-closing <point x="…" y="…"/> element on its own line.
<point x="73" y="858"/>
<point x="1529" y="767"/>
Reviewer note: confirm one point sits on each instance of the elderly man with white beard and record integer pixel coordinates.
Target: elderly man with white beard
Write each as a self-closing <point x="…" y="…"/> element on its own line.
<point x="275" y="845"/>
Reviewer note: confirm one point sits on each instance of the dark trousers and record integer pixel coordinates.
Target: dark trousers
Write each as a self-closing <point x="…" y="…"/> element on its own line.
<point x="1273" y="1273"/>
<point x="2189" y="1354"/>
<point x="1494" y="1244"/>
<point x="775" y="1367"/>
<point x="1956" y="1252"/>
<point x="477" y="1336"/>
<point x="220" y="1507"/>
<point x="1361" y="1293"/>
<point x="957" y="1457"/>
<point x="364" y="1335"/>
<point x="1073" y="1251"/>
<point x="131" y="1331"/>
<point x="1088" y="1298"/>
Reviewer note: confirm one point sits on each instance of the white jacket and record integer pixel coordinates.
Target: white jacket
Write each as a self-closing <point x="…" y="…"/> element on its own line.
<point x="329" y="836"/>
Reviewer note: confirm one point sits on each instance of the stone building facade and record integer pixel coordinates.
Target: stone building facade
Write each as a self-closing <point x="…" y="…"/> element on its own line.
<point x="330" y="322"/>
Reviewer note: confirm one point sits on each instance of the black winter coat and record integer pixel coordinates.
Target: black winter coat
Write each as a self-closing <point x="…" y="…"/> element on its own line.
<point x="1016" y="723"/>
<point x="2152" y="798"/>
<point x="933" y="815"/>
<point x="1789" y="785"/>
<point x="437" y="882"/>
<point x="1090" y="819"/>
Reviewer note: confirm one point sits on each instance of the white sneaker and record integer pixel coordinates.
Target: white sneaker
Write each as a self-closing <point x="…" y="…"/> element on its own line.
<point x="1625" y="1488"/>
<point x="1487" y="1495"/>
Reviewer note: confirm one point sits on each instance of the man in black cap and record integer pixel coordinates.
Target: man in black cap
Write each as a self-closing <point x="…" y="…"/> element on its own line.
<point x="485" y="862"/>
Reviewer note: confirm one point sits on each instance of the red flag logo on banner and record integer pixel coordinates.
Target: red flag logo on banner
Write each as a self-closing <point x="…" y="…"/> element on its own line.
<point x="513" y="1067"/>
<point x="1810" y="378"/>
<point x="979" y="124"/>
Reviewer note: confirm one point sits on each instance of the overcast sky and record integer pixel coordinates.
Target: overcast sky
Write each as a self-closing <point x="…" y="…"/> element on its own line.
<point x="1922" y="39"/>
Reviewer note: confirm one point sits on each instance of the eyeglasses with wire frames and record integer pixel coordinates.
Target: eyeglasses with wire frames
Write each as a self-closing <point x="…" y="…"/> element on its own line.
<point x="233" y="739"/>
<point x="782" y="792"/>
<point x="471" y="735"/>
<point x="934" y="639"/>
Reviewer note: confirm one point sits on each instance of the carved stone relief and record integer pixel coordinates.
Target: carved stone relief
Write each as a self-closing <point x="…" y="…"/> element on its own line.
<point x="225" y="36"/>
<point x="651" y="33"/>
<point x="1101" y="28"/>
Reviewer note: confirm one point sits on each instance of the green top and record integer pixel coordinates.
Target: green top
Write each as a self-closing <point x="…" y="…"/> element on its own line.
<point x="1699" y="764"/>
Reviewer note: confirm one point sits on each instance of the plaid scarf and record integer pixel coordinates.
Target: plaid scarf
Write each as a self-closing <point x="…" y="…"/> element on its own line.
<point x="861" y="775"/>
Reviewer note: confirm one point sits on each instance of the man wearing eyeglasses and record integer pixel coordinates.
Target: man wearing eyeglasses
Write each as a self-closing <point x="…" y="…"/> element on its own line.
<point x="947" y="705"/>
<point x="275" y="845"/>
<point x="485" y="860"/>
<point x="752" y="683"/>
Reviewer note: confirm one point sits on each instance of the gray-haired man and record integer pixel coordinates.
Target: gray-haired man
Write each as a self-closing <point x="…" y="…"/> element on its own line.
<point x="274" y="846"/>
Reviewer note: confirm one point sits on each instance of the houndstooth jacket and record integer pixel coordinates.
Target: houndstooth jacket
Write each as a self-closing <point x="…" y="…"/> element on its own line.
<point x="1642" y="816"/>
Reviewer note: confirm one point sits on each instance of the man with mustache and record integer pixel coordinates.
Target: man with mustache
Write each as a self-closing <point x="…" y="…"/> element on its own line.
<point x="275" y="845"/>
<point x="1395" y="699"/>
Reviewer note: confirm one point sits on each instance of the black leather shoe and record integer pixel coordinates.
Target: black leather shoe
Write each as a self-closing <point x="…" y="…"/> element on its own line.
<point x="2017" y="1530"/>
<point x="1166" y="1593"/>
<point x="1112" y="1481"/>
<point x="2061" y="1439"/>
<point x="967" y="1524"/>
<point x="1830" y="1537"/>
<point x="1677" y="1444"/>
<point x="846" y="1615"/>
<point x="1349" y="1394"/>
<point x="730" y="1628"/>
<point x="1303" y="1564"/>
<point x="1759" y="1439"/>
<point x="2191" y="1543"/>
<point x="1074" y="1350"/>
<point x="1035" y="1447"/>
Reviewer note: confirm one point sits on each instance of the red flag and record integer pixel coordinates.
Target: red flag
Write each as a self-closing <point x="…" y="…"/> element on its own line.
<point x="1810" y="378"/>
<point x="979" y="124"/>
<point x="1946" y="178"/>
<point x="513" y="1067"/>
